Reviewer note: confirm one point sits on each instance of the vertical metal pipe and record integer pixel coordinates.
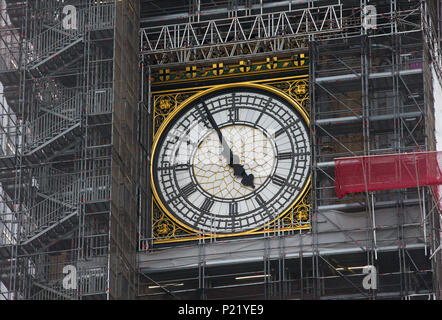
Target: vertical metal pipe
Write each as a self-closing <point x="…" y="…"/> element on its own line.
<point x="315" y="192"/>
<point x="114" y="10"/>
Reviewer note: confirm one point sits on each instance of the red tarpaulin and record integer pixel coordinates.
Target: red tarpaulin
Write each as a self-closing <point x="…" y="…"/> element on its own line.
<point x="437" y="192"/>
<point x="392" y="171"/>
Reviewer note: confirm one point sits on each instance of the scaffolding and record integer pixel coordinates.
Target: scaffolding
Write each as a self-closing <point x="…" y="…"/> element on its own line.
<point x="58" y="71"/>
<point x="75" y="137"/>
<point x="371" y="93"/>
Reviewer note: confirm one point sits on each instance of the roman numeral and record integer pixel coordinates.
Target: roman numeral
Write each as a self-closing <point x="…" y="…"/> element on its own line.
<point x="279" y="181"/>
<point x="233" y="114"/>
<point x="207" y="205"/>
<point x="188" y="189"/>
<point x="285" y="156"/>
<point x="290" y="155"/>
<point x="177" y="167"/>
<point x="260" y="200"/>
<point x="279" y="132"/>
<point x="202" y="114"/>
<point x="264" y="108"/>
<point x="233" y="208"/>
<point x="182" y="167"/>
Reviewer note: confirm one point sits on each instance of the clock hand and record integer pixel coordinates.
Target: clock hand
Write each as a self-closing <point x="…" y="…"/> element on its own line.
<point x="232" y="160"/>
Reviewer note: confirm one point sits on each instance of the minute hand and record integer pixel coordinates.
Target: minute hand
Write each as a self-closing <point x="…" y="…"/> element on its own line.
<point x="232" y="160"/>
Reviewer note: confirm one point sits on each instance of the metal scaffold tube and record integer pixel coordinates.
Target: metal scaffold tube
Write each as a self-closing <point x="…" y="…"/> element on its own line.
<point x="61" y="169"/>
<point x="402" y="132"/>
<point x="78" y="119"/>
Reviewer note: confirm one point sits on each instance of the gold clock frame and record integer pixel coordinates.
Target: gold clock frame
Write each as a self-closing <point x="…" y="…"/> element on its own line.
<point x="166" y="228"/>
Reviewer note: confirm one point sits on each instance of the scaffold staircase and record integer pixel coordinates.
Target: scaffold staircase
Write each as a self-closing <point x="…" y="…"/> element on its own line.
<point x="57" y="82"/>
<point x="57" y="45"/>
<point x="52" y="291"/>
<point x="51" y="216"/>
<point x="55" y="129"/>
<point x="52" y="180"/>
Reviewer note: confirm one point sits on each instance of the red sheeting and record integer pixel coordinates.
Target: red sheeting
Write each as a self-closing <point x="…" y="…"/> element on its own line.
<point x="392" y="171"/>
<point x="437" y="192"/>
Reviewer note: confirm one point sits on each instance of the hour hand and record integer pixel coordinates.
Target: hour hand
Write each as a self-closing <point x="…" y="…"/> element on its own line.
<point x="239" y="171"/>
<point x="247" y="180"/>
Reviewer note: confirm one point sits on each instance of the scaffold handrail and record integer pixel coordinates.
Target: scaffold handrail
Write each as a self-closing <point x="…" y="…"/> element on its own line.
<point x="53" y="39"/>
<point x="57" y="38"/>
<point x="50" y="211"/>
<point x="52" y="123"/>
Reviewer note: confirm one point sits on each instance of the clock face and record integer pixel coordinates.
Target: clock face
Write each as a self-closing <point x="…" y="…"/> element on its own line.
<point x="194" y="181"/>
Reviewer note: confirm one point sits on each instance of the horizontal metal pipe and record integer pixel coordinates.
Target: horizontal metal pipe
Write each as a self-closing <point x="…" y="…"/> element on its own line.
<point x="323" y="165"/>
<point x="377" y="75"/>
<point x="382" y="117"/>
<point x="357" y="205"/>
<point x="184" y="15"/>
<point x="258" y="258"/>
<point x="394" y="294"/>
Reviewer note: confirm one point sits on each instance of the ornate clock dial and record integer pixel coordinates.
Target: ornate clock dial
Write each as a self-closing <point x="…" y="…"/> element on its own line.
<point x="192" y="179"/>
